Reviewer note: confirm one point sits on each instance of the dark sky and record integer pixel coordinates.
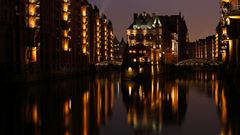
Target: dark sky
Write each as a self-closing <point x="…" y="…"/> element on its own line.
<point x="201" y="15"/>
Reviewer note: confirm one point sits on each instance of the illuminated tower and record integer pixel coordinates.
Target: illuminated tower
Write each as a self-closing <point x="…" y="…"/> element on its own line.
<point x="98" y="38"/>
<point x="110" y="41"/>
<point x="85" y="28"/>
<point x="105" y="23"/>
<point x="66" y="28"/>
<point x="32" y="23"/>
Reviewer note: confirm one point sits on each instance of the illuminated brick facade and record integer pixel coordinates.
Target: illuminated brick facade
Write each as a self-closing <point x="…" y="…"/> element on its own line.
<point x="162" y="38"/>
<point x="45" y="38"/>
<point x="228" y="31"/>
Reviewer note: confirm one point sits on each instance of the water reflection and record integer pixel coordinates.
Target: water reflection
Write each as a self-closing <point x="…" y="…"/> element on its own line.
<point x="153" y="104"/>
<point x="78" y="106"/>
<point x="224" y="96"/>
<point x="84" y="106"/>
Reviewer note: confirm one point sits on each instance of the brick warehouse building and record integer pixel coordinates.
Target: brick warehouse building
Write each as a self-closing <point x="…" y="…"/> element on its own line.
<point x="42" y="38"/>
<point x="162" y="37"/>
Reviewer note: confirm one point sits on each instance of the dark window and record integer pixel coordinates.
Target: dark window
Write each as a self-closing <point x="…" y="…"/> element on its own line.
<point x="149" y="37"/>
<point x="139" y="37"/>
<point x="131" y="37"/>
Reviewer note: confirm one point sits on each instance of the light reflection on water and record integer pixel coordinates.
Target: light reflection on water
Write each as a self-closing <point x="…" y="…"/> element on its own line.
<point x="196" y="103"/>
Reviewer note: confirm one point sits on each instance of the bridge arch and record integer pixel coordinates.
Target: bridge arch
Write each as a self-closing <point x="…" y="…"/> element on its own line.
<point x="197" y="62"/>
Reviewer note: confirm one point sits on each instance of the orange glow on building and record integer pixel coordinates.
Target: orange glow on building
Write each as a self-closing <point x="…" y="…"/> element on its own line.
<point x="84" y="34"/>
<point x="34" y="54"/>
<point x="32" y="22"/>
<point x="84" y="50"/>
<point x="84" y="29"/>
<point x="98" y="39"/>
<point x="65" y="7"/>
<point x="32" y="9"/>
<point x="224" y="31"/>
<point x="31" y="13"/>
<point x="65" y="33"/>
<point x="65" y="17"/>
<point x="65" y="44"/>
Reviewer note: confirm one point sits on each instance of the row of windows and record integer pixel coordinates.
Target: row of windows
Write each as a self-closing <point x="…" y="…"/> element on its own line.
<point x="140" y="51"/>
<point x="140" y="37"/>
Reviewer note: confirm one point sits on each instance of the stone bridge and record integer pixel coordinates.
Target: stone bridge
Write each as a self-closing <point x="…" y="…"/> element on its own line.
<point x="197" y="62"/>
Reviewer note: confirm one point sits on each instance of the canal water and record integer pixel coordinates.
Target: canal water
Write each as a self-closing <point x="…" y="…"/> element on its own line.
<point x="191" y="104"/>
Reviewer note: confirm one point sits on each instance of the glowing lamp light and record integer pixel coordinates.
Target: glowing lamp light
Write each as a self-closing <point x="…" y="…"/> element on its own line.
<point x="140" y="69"/>
<point x="130" y="69"/>
<point x="235" y="17"/>
<point x="129" y="90"/>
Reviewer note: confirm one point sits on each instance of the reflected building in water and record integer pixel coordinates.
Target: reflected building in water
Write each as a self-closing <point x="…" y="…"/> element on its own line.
<point x="228" y="108"/>
<point x="154" y="104"/>
<point x="85" y="106"/>
<point x="224" y="96"/>
<point x="72" y="107"/>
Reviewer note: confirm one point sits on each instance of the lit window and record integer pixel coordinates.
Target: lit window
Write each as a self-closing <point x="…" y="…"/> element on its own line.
<point x="84" y="20"/>
<point x="65" y="7"/>
<point x="224" y="31"/>
<point x="84" y="49"/>
<point x="65" y="33"/>
<point x="65" y="44"/>
<point x="32" y="9"/>
<point x="34" y="54"/>
<point x="228" y="21"/>
<point x="84" y="11"/>
<point x="32" y="22"/>
<point x="84" y="34"/>
<point x="84" y="27"/>
<point x="65" y="16"/>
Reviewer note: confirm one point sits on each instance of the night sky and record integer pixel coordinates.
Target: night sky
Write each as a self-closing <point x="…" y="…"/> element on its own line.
<point x="201" y="15"/>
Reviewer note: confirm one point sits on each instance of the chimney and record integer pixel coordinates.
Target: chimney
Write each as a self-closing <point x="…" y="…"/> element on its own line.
<point x="135" y="16"/>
